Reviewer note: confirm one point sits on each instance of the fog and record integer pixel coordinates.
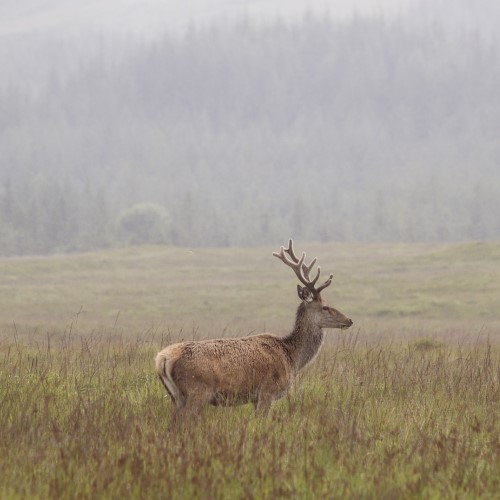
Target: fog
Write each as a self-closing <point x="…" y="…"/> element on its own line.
<point x="226" y="123"/>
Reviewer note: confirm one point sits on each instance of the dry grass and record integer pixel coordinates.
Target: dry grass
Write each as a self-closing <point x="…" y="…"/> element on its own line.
<point x="83" y="416"/>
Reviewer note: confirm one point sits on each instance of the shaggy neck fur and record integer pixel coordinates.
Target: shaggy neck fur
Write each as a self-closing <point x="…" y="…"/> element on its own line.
<point x="305" y="340"/>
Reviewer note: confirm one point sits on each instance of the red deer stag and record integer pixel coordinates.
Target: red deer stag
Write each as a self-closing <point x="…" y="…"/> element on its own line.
<point x="256" y="369"/>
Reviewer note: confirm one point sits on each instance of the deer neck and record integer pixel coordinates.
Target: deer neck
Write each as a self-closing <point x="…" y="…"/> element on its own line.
<point x="305" y="340"/>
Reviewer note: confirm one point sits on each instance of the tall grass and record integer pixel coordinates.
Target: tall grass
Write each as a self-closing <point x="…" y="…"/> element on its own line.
<point x="83" y="416"/>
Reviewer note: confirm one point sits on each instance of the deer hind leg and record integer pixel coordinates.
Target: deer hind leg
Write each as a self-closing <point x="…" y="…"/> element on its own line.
<point x="177" y="414"/>
<point x="189" y="408"/>
<point x="180" y="405"/>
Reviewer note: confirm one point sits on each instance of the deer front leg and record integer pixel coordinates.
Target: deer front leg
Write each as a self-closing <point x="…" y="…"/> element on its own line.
<point x="263" y="402"/>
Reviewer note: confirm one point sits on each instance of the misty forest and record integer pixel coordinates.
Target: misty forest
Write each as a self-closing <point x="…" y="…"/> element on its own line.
<point x="370" y="129"/>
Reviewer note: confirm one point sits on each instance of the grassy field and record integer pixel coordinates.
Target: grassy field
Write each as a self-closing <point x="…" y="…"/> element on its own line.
<point x="404" y="404"/>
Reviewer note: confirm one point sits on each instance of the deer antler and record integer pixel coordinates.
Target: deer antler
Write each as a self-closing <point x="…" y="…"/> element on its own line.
<point x="302" y="270"/>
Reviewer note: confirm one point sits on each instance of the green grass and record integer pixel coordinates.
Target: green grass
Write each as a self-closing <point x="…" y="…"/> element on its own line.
<point x="405" y="404"/>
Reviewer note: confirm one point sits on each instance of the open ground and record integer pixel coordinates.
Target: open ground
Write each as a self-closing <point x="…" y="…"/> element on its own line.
<point x="405" y="403"/>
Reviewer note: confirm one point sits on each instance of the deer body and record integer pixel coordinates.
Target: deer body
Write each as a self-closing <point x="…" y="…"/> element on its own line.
<point x="256" y="369"/>
<point x="227" y="371"/>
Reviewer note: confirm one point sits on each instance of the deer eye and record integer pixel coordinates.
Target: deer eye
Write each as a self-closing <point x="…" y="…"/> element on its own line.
<point x="325" y="308"/>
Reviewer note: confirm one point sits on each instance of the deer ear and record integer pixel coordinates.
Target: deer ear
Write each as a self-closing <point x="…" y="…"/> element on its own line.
<point x="304" y="294"/>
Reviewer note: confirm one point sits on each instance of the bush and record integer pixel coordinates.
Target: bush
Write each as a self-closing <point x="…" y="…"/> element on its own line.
<point x="145" y="223"/>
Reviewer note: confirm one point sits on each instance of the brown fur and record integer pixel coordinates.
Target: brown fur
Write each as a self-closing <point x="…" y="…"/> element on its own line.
<point x="229" y="371"/>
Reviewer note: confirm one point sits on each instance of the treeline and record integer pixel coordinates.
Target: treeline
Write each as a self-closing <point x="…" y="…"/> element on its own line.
<point x="360" y="131"/>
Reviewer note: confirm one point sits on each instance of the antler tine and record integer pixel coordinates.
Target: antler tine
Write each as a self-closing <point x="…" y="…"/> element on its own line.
<point x="290" y="251"/>
<point x="318" y="272"/>
<point x="328" y="282"/>
<point x="307" y="269"/>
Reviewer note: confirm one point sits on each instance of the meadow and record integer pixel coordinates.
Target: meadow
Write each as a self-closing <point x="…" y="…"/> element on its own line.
<point x="404" y="404"/>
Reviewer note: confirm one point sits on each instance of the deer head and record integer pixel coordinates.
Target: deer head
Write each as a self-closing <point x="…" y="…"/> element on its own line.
<point x="316" y="310"/>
